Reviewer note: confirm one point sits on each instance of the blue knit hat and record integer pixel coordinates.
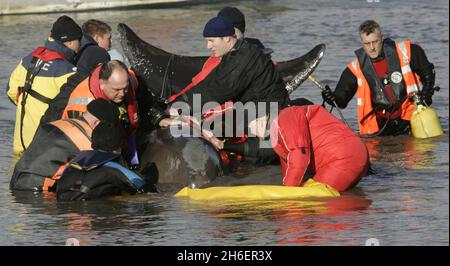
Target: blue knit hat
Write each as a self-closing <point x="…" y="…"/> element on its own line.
<point x="218" y="27"/>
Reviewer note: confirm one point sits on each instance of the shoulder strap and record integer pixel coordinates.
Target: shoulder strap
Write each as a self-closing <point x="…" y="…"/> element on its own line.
<point x="72" y="129"/>
<point x="33" y="69"/>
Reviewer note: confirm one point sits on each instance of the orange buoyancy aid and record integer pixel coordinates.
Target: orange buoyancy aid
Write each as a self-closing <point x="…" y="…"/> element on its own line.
<point x="363" y="93"/>
<point x="89" y="90"/>
<point x="79" y="132"/>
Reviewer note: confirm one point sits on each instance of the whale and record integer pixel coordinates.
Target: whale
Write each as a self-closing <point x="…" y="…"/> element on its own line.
<point x="180" y="161"/>
<point x="190" y="161"/>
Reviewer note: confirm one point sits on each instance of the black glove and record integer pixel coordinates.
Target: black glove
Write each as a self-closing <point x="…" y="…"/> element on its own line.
<point x="328" y="95"/>
<point x="155" y="115"/>
<point x="427" y="93"/>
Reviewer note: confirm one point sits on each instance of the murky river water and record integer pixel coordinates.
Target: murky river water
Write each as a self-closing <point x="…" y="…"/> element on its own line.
<point x="405" y="203"/>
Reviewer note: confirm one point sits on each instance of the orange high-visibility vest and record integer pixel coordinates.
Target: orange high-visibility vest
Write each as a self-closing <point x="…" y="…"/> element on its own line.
<point x="82" y="95"/>
<point x="363" y="93"/>
<point x="79" y="132"/>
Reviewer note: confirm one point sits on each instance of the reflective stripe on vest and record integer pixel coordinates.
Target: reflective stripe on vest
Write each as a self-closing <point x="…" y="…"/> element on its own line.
<point x="83" y="101"/>
<point x="80" y="97"/>
<point x="412" y="80"/>
<point x="364" y="101"/>
<point x="72" y="130"/>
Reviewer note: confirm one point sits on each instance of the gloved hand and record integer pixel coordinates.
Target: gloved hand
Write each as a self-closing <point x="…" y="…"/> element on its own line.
<point x="328" y="95"/>
<point x="427" y="93"/>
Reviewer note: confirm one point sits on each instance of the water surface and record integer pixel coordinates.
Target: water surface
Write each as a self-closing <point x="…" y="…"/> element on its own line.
<point x="405" y="203"/>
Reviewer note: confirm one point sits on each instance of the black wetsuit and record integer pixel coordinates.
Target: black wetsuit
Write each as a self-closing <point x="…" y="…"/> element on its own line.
<point x="49" y="150"/>
<point x="347" y="87"/>
<point x="94" y="174"/>
<point x="245" y="74"/>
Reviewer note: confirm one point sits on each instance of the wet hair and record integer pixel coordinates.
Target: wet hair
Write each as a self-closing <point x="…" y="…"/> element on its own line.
<point x="369" y="26"/>
<point x="107" y="69"/>
<point x="93" y="27"/>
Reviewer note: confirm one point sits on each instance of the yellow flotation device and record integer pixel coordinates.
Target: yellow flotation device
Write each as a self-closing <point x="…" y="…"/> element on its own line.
<point x="311" y="189"/>
<point x="424" y="121"/>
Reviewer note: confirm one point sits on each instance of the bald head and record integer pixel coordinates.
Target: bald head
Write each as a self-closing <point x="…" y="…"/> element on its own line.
<point x="114" y="80"/>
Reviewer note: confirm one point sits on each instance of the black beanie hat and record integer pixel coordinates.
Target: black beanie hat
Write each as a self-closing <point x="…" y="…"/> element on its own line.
<point x="104" y="110"/>
<point x="106" y="137"/>
<point x="235" y="16"/>
<point x="218" y="27"/>
<point x="65" y="29"/>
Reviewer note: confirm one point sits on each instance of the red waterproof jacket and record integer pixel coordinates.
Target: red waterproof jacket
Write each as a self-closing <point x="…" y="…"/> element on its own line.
<point x="310" y="138"/>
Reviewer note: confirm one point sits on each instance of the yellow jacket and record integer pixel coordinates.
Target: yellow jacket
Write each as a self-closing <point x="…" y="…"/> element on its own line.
<point x="56" y="68"/>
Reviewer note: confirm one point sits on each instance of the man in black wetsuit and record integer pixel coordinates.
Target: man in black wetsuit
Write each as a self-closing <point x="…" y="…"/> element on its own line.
<point x="384" y="76"/>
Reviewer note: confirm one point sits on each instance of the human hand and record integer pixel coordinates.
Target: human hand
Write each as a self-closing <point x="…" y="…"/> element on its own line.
<point x="170" y="122"/>
<point x="427" y="93"/>
<point x="328" y="95"/>
<point x="211" y="138"/>
<point x="173" y="112"/>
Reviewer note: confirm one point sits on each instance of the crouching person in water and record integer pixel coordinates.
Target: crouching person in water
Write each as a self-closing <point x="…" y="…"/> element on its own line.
<point x="57" y="143"/>
<point x="101" y="172"/>
<point x="310" y="138"/>
<point x="311" y="142"/>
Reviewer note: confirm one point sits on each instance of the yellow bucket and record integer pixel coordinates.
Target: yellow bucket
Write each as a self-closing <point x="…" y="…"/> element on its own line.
<point x="425" y="122"/>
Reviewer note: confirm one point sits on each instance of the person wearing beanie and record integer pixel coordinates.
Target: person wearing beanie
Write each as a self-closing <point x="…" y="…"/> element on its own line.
<point x="101" y="172"/>
<point x="32" y="86"/>
<point x="237" y="18"/>
<point x="107" y="137"/>
<point x="241" y="72"/>
<point x="115" y="83"/>
<point x="58" y="142"/>
<point x="67" y="31"/>
<point x="95" y="43"/>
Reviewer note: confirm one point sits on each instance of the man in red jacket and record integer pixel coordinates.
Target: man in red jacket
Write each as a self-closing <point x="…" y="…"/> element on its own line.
<point x="308" y="138"/>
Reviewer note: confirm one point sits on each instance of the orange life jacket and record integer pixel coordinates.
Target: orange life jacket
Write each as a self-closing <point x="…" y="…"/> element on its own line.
<point x="363" y="93"/>
<point x="79" y="132"/>
<point x="84" y="93"/>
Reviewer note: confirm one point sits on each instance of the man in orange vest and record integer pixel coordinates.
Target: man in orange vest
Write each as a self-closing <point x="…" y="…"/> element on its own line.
<point x="114" y="83"/>
<point x="56" y="143"/>
<point x="384" y="76"/>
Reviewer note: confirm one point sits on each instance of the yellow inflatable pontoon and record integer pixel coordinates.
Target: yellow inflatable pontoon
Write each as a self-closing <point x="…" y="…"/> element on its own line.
<point x="310" y="190"/>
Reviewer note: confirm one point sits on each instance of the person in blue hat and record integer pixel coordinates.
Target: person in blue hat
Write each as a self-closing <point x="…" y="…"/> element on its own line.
<point x="241" y="72"/>
<point x="237" y="18"/>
